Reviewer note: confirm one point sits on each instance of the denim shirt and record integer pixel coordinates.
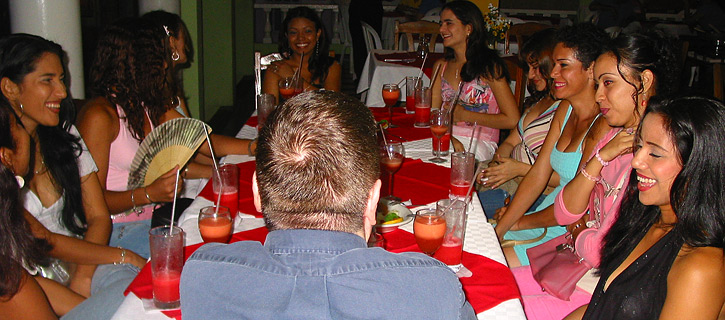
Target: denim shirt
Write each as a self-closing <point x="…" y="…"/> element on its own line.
<point x="314" y="274"/>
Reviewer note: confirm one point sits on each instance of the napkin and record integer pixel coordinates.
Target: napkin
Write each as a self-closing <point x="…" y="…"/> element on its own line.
<point x="141" y="285"/>
<point x="246" y="199"/>
<point x="404" y="121"/>
<point x="252" y="121"/>
<point x="421" y="182"/>
<point x="490" y="284"/>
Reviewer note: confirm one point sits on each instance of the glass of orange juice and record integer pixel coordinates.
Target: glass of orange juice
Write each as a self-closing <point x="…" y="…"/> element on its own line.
<point x="215" y="225"/>
<point x="429" y="228"/>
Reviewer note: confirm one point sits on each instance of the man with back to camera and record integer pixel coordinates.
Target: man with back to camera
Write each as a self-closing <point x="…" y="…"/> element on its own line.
<point x="316" y="183"/>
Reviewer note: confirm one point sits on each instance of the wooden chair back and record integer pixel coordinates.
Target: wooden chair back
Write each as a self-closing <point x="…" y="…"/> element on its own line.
<point x="421" y="28"/>
<point x="517" y="74"/>
<point x="522" y="31"/>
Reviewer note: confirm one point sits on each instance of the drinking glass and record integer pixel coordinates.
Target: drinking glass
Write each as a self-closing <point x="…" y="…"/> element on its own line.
<point x="429" y="228"/>
<point x="422" y="107"/>
<point x="226" y="183"/>
<point x="410" y="84"/>
<point x="215" y="224"/>
<point x="391" y="94"/>
<point x="287" y="88"/>
<point x="439" y="123"/>
<point x="391" y="158"/>
<point x="265" y="105"/>
<point x="462" y="167"/>
<point x="167" y="260"/>
<point x="451" y="250"/>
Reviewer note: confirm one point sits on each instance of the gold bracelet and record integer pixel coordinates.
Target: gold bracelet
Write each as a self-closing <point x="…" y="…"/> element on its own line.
<point x="123" y="257"/>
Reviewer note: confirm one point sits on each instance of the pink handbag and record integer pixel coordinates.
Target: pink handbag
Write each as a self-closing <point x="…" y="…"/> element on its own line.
<point x="556" y="266"/>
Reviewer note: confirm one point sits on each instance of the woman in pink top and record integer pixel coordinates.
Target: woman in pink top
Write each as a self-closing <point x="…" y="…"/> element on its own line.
<point x="486" y="97"/>
<point x="633" y="68"/>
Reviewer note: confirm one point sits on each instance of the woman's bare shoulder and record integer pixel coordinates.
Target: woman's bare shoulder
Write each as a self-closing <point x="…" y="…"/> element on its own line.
<point x="700" y="264"/>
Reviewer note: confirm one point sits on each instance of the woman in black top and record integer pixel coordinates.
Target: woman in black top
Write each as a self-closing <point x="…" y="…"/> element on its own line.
<point x="663" y="257"/>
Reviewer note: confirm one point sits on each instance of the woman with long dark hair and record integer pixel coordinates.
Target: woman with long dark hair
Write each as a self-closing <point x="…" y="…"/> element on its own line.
<point x="515" y="156"/>
<point x="486" y="97"/>
<point x="63" y="191"/>
<point x="303" y="41"/>
<point x="663" y="257"/>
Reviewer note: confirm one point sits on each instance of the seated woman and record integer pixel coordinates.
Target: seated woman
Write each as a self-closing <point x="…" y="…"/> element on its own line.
<point x="132" y="90"/>
<point x="486" y="97"/>
<point x="663" y="256"/>
<point x="515" y="156"/>
<point x="28" y="243"/>
<point x="574" y="53"/>
<point x="303" y="41"/>
<point x="633" y="68"/>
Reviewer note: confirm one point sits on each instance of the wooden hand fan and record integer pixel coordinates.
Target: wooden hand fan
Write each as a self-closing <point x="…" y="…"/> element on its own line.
<point x="170" y="144"/>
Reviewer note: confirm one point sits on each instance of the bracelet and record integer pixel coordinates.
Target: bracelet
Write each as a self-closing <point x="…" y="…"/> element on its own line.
<point x="589" y="176"/>
<point x="123" y="257"/>
<point x="599" y="158"/>
<point x="135" y="208"/>
<point x="249" y="146"/>
<point x="147" y="195"/>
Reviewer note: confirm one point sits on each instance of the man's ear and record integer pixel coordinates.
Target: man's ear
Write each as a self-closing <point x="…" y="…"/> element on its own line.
<point x="369" y="216"/>
<point x="255" y="193"/>
<point x="10" y="89"/>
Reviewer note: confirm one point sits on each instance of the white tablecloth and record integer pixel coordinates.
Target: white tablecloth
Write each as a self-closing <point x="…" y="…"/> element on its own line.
<point x="377" y="73"/>
<point x="480" y="239"/>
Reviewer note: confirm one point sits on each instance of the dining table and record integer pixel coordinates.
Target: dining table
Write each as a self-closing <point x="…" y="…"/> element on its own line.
<point x="491" y="289"/>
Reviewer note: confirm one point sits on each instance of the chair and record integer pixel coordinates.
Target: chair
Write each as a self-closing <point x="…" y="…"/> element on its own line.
<point x="517" y="74"/>
<point x="521" y="32"/>
<point x="372" y="39"/>
<point x="421" y="28"/>
<point x="346" y="40"/>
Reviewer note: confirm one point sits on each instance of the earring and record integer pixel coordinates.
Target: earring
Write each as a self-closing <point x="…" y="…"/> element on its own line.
<point x="644" y="100"/>
<point x="21" y="181"/>
<point x="317" y="49"/>
<point x="22" y="111"/>
<point x="175" y="56"/>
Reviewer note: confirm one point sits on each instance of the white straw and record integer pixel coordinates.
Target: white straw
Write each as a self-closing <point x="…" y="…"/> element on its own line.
<point x="173" y="205"/>
<point x="385" y="141"/>
<point x="420" y="74"/>
<point x="216" y="169"/>
<point x="475" y="136"/>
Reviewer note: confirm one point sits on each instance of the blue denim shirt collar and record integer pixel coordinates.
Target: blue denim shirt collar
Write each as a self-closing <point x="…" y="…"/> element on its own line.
<point x="306" y="240"/>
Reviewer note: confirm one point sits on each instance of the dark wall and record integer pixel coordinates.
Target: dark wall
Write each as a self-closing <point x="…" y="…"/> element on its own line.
<point x="538" y="4"/>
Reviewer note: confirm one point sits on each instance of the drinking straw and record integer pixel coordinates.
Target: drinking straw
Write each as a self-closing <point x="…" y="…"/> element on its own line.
<point x="435" y="74"/>
<point x="385" y="141"/>
<point x="216" y="169"/>
<point x="173" y="205"/>
<point x="257" y="78"/>
<point x="473" y="136"/>
<point x="296" y="76"/>
<point x="401" y="81"/>
<point x="475" y="173"/>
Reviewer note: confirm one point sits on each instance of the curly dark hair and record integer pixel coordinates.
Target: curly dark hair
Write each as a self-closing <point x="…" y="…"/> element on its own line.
<point x="18" y="244"/>
<point x="481" y="61"/>
<point x="131" y="68"/>
<point x="60" y="149"/>
<point x="697" y="196"/>
<point x="176" y="28"/>
<point x="587" y="41"/>
<point x="321" y="61"/>
<point x="651" y="51"/>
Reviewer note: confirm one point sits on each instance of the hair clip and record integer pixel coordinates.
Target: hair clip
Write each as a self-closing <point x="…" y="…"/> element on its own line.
<point x="168" y="33"/>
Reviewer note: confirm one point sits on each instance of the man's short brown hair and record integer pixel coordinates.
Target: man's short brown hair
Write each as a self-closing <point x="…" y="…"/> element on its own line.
<point x="317" y="160"/>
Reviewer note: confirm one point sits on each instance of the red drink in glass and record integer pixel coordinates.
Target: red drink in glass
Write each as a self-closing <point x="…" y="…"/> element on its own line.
<point x="438" y="130"/>
<point x="392" y="165"/>
<point x="429" y="232"/>
<point x="450" y="251"/>
<point x="422" y="114"/>
<point x="391" y="97"/>
<point x="215" y="229"/>
<point x="230" y="199"/>
<point x="166" y="286"/>
<point x="460" y="188"/>
<point x="410" y="104"/>
<point x="445" y="144"/>
<point x="287" y="92"/>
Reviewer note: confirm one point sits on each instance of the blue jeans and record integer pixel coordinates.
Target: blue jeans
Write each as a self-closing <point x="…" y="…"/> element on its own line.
<point x="492" y="200"/>
<point x="107" y="286"/>
<point x="132" y="236"/>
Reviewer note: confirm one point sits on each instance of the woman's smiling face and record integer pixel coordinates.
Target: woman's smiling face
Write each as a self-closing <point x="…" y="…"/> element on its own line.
<point x="452" y="30"/>
<point x="302" y="35"/>
<point x="569" y="76"/>
<point x="656" y="162"/>
<point x="41" y="92"/>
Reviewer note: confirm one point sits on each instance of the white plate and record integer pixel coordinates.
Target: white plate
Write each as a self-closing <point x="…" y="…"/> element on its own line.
<point x="403" y="212"/>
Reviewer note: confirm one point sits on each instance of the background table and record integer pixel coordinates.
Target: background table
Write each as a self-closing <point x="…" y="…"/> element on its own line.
<point x="376" y="73"/>
<point x="480" y="238"/>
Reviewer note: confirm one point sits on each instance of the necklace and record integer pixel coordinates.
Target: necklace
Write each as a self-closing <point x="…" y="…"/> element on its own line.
<point x="43" y="168"/>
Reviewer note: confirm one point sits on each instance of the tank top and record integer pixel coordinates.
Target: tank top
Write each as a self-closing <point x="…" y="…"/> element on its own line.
<point x="533" y="135"/>
<point x="123" y="150"/>
<point x="566" y="164"/>
<point x="638" y="292"/>
<point x="476" y="96"/>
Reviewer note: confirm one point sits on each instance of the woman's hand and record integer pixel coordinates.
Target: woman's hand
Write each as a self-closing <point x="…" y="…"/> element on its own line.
<point x="578" y="226"/>
<point x="457" y="145"/>
<point x="281" y="69"/>
<point x="500" y="213"/>
<point x="135" y="259"/>
<point x="162" y="189"/>
<point x="621" y="144"/>
<point x="501" y="170"/>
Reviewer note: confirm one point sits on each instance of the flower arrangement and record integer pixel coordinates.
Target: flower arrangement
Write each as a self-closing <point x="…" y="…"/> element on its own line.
<point x="496" y="25"/>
